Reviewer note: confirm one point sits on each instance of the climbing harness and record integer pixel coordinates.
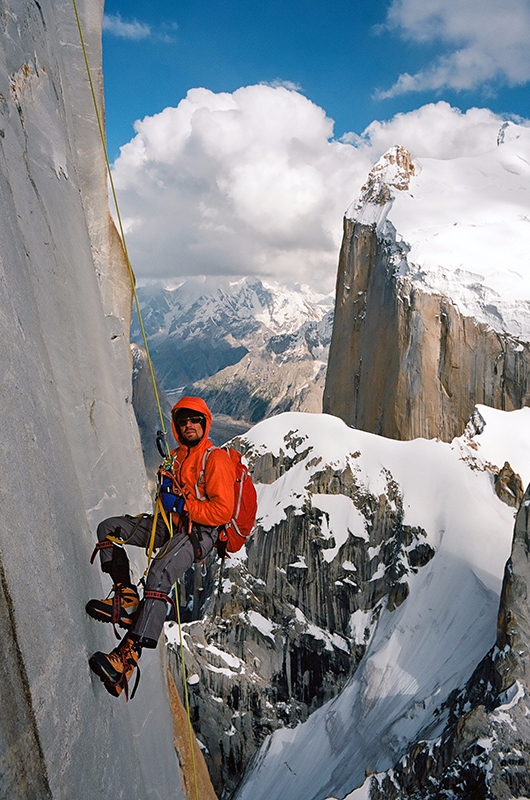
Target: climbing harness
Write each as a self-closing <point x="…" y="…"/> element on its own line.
<point x="152" y="594"/>
<point x="161" y="434"/>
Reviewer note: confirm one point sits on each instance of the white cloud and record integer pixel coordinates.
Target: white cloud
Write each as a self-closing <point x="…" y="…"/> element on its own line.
<point x="253" y="182"/>
<point x="486" y="41"/>
<point x="286" y="84"/>
<point x="436" y="130"/>
<point x="114" y="24"/>
<point x="132" y="29"/>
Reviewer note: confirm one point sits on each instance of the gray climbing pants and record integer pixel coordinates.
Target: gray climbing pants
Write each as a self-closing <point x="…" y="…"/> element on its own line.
<point x="174" y="555"/>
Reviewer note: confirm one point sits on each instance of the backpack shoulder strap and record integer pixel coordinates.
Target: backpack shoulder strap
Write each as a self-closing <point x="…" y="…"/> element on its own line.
<point x="200" y="479"/>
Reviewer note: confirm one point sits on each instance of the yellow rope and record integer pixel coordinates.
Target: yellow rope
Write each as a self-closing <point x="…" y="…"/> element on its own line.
<point x="186" y="695"/>
<point x="120" y="223"/>
<point x="151" y="370"/>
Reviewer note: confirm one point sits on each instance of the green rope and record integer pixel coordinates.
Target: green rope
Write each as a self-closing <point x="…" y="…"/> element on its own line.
<point x="186" y="694"/>
<point x="150" y="363"/>
<point x="120" y="223"/>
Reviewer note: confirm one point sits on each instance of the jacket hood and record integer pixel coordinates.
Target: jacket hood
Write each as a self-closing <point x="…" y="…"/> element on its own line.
<point x="194" y="404"/>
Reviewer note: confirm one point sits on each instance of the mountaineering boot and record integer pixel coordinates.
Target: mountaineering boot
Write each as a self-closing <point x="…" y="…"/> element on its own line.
<point x="119" y="608"/>
<point x="116" y="668"/>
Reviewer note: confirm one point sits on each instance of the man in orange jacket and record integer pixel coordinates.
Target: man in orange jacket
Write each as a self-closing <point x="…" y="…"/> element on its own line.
<point x="197" y="495"/>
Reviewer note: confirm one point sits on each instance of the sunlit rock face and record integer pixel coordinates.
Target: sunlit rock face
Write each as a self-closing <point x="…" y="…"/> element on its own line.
<point x="70" y="451"/>
<point x="420" y="335"/>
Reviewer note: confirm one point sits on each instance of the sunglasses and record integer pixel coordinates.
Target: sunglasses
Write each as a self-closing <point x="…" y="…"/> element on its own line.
<point x="195" y="420"/>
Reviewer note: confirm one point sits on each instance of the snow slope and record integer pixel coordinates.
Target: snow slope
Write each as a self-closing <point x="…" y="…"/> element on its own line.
<point x="430" y="644"/>
<point x="466" y="225"/>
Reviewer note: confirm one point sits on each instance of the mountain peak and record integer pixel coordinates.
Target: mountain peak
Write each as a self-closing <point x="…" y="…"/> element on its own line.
<point x="393" y="171"/>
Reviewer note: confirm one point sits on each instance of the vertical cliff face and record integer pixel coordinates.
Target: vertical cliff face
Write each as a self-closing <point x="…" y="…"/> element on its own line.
<point x="405" y="362"/>
<point x="69" y="449"/>
<point x="417" y="343"/>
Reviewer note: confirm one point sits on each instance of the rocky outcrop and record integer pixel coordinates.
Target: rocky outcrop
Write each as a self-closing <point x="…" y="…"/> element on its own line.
<point x="405" y="363"/>
<point x="484" y="750"/>
<point x="292" y="622"/>
<point x="509" y="486"/>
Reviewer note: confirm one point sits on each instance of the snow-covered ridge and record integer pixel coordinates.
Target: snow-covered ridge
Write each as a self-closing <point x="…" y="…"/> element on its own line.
<point x="430" y="644"/>
<point x="461" y="227"/>
<point x="198" y="302"/>
<point x="246" y="346"/>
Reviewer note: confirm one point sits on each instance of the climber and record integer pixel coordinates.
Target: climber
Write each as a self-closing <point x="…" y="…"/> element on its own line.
<point x="196" y="504"/>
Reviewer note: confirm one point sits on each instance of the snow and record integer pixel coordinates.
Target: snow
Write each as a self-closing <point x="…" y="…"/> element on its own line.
<point x="330" y="640"/>
<point x="362" y="793"/>
<point x="360" y="621"/>
<point x="511" y="697"/>
<point x="506" y="437"/>
<point x="430" y="645"/>
<point x="300" y="563"/>
<point x="467" y="224"/>
<point x="232" y="661"/>
<point x="264" y="625"/>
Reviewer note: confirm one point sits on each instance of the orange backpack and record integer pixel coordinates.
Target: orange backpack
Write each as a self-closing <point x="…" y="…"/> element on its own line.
<point x="235" y="533"/>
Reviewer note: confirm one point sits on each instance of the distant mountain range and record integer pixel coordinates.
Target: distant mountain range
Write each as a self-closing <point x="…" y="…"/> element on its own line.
<point x="250" y="348"/>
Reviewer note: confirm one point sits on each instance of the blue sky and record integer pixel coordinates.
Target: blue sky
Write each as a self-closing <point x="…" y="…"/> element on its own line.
<point x="356" y="61"/>
<point x="338" y="52"/>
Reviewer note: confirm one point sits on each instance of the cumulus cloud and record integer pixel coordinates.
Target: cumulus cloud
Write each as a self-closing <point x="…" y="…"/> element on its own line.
<point x="486" y="42"/>
<point x="253" y="182"/>
<point x="436" y="130"/>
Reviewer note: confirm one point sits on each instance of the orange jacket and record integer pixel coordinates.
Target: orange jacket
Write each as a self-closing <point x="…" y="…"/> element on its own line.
<point x="216" y="501"/>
